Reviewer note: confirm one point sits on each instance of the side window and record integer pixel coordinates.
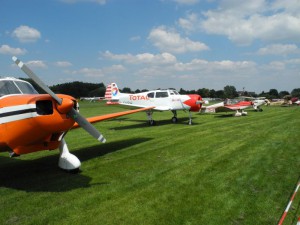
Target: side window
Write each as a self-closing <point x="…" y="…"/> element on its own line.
<point x="161" y="94"/>
<point x="8" y="88"/>
<point x="150" y="95"/>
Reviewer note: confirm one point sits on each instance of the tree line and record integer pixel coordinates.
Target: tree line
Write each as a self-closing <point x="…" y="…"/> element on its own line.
<point x="79" y="89"/>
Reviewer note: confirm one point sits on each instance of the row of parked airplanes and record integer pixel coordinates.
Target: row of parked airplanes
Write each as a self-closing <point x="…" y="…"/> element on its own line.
<point x="31" y="122"/>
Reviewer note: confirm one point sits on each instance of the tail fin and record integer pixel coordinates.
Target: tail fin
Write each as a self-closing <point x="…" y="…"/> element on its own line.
<point x="112" y="93"/>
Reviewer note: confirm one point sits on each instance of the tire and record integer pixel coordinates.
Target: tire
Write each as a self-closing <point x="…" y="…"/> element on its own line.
<point x="174" y="119"/>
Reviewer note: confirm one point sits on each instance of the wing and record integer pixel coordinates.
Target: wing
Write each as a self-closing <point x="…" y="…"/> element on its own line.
<point x="111" y="116"/>
<point x="227" y="108"/>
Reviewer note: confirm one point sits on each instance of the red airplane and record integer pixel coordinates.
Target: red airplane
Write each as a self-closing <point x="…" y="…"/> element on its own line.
<point x="228" y="106"/>
<point x="31" y="122"/>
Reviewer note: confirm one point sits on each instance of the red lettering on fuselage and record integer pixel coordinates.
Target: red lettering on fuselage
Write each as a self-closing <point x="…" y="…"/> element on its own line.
<point x="138" y="97"/>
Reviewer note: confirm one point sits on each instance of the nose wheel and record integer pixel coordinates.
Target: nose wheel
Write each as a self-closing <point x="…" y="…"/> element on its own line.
<point x="67" y="161"/>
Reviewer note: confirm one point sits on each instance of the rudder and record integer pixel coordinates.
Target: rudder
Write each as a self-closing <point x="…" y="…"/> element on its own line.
<point x="112" y="93"/>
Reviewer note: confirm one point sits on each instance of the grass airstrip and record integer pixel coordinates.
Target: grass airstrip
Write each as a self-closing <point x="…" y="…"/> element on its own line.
<point x="220" y="170"/>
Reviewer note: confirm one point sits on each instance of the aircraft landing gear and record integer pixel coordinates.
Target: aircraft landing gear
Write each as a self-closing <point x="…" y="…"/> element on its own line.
<point x="150" y="120"/>
<point x="190" y="118"/>
<point x="237" y="113"/>
<point x="67" y="161"/>
<point x="174" y="118"/>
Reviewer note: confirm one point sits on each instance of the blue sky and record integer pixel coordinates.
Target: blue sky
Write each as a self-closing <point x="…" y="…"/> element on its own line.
<point x="188" y="44"/>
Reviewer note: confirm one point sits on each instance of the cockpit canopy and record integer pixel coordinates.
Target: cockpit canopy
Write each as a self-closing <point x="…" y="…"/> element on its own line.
<point x="162" y="93"/>
<point x="10" y="86"/>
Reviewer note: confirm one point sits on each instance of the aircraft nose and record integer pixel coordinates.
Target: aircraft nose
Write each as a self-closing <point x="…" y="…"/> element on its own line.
<point x="66" y="106"/>
<point x="195" y="102"/>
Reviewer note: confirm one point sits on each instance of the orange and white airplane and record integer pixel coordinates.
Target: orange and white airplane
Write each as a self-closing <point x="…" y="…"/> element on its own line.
<point x="31" y="122"/>
<point x="160" y="100"/>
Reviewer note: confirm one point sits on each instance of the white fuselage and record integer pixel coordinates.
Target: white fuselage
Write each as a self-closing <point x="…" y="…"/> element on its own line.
<point x="161" y="99"/>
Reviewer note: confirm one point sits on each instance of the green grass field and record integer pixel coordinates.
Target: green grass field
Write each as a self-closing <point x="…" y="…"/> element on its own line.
<point x="220" y="170"/>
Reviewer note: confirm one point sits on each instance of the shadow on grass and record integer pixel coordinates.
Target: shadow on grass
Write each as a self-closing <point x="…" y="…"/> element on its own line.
<point x="227" y="115"/>
<point x="43" y="174"/>
<point x="103" y="149"/>
<point x="158" y="122"/>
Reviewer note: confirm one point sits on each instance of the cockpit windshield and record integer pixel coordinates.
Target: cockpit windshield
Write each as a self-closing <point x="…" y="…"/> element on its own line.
<point x="173" y="92"/>
<point x="9" y="87"/>
<point x="25" y="87"/>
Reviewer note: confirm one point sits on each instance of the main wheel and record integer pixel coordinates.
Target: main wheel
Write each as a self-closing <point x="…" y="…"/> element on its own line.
<point x="152" y="122"/>
<point x="174" y="119"/>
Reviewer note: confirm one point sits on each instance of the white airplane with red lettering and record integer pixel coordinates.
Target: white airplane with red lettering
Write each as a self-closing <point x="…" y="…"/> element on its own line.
<point x="160" y="100"/>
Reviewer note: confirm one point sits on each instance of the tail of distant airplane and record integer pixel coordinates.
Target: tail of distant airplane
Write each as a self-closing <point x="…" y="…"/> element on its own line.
<point x="112" y="93"/>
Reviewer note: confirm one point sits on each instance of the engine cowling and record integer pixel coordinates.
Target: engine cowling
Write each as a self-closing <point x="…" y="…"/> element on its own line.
<point x="195" y="102"/>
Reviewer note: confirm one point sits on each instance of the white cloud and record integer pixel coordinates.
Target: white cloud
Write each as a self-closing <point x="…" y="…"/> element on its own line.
<point x="242" y="8"/>
<point x="101" y="2"/>
<point x="245" y="21"/>
<point x="96" y="72"/>
<point x="135" y="38"/>
<point x="90" y="72"/>
<point x="146" y="71"/>
<point x="190" y="23"/>
<point x="168" y="64"/>
<point x="144" y="58"/>
<point x="279" y="49"/>
<point x="290" y="6"/>
<point x="187" y="2"/>
<point x="168" y="40"/>
<point x="26" y="34"/>
<point x="63" y="64"/>
<point x="114" y="69"/>
<point x="36" y="64"/>
<point x="7" y="50"/>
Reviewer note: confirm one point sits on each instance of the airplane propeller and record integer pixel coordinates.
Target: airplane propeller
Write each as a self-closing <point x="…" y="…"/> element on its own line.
<point x="72" y="113"/>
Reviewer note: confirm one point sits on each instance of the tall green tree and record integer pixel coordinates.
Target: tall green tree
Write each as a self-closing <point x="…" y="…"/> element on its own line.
<point x="182" y="91"/>
<point x="126" y="90"/>
<point x="76" y="89"/>
<point x="296" y="92"/>
<point x="230" y="92"/>
<point x="203" y="92"/>
<point x="220" y="94"/>
<point x="273" y="93"/>
<point x="212" y="93"/>
<point x="283" y="93"/>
